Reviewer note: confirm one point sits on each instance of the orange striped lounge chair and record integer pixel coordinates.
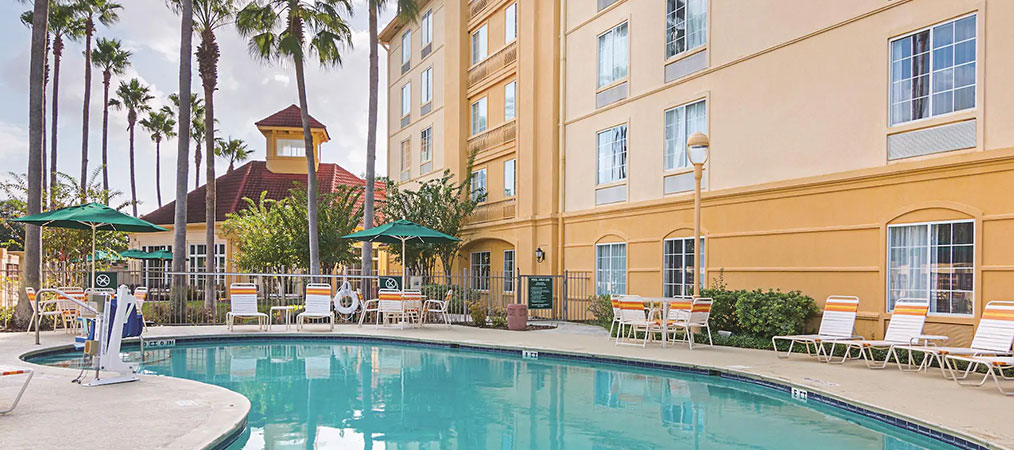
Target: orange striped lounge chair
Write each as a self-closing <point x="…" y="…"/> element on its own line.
<point x="700" y="312"/>
<point x="318" y="305"/>
<point x="10" y="372"/>
<point x="991" y="345"/>
<point x="243" y="304"/>
<point x="633" y="319"/>
<point x="836" y="324"/>
<point x="905" y="328"/>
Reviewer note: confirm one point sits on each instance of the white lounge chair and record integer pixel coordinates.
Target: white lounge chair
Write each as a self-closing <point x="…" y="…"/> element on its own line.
<point x="243" y="304"/>
<point x="318" y="305"/>
<point x="439" y="307"/>
<point x="700" y="312"/>
<point x="10" y="372"/>
<point x="995" y="368"/>
<point x="905" y="328"/>
<point x="836" y="324"/>
<point x="633" y="318"/>
<point x="993" y="337"/>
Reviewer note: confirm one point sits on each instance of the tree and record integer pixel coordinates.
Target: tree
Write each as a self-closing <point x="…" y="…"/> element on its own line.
<point x="407" y="10"/>
<point x="160" y="125"/>
<point x="182" y="149"/>
<point x="107" y="13"/>
<point x="134" y="97"/>
<point x="297" y="29"/>
<point x="233" y="149"/>
<point x="197" y="130"/>
<point x="112" y="59"/>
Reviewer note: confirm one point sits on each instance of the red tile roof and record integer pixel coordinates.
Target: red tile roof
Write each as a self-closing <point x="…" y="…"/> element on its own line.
<point x="288" y="117"/>
<point x="249" y="180"/>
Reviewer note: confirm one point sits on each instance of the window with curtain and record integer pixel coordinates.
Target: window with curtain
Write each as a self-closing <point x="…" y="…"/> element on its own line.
<point x="508" y="270"/>
<point x="508" y="178"/>
<point x="479" y="45"/>
<point x="426" y="145"/>
<point x="426" y="28"/>
<point x="612" y="154"/>
<point x="426" y="80"/>
<point x="406" y="155"/>
<point x="611" y="269"/>
<point x="290" y="147"/>
<point x="509" y="95"/>
<point x="680" y="123"/>
<point x="510" y="23"/>
<point x="479" y="269"/>
<point x="933" y="71"/>
<point x="678" y="272"/>
<point x="406" y="47"/>
<point x="406" y="99"/>
<point x="686" y="24"/>
<point x="479" y="116"/>
<point x="613" y="55"/>
<point x="478" y="185"/>
<point x="934" y="261"/>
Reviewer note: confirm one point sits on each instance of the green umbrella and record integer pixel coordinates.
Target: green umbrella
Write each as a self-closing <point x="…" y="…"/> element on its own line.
<point x="104" y="255"/>
<point x="402" y="231"/>
<point x="141" y="254"/>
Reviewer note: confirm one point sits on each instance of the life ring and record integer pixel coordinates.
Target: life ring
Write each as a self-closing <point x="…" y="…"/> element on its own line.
<point x="345" y="291"/>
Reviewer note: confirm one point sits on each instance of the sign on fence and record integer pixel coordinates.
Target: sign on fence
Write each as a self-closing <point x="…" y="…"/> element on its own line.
<point x="390" y="283"/>
<point x="105" y="280"/>
<point x="540" y="292"/>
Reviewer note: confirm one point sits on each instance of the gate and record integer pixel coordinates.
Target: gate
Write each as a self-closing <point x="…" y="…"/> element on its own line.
<point x="558" y="297"/>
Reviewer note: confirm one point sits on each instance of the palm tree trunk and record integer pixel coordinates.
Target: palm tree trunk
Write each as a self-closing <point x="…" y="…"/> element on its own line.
<point x="57" y="55"/>
<point x="231" y="163"/>
<point x="45" y="83"/>
<point x="207" y="55"/>
<point x="182" y="159"/>
<point x="106" y="76"/>
<point x="371" y="141"/>
<point x="89" y="30"/>
<point x="197" y="162"/>
<point x="36" y="102"/>
<point x="158" y="171"/>
<point x="133" y="184"/>
<point x="311" y="169"/>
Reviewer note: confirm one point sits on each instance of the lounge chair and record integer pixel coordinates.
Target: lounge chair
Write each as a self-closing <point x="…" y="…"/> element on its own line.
<point x="836" y="324"/>
<point x="633" y="318"/>
<point x="995" y="367"/>
<point x="10" y="372"/>
<point x="993" y="337"/>
<point x="905" y="328"/>
<point x="439" y="307"/>
<point x="700" y="312"/>
<point x="243" y="304"/>
<point x="318" y="305"/>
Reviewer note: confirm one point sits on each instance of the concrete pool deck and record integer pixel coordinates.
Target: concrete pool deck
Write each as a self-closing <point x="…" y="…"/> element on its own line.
<point x="155" y="413"/>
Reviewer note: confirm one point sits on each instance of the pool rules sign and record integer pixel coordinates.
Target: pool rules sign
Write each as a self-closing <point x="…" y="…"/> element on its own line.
<point x="540" y="292"/>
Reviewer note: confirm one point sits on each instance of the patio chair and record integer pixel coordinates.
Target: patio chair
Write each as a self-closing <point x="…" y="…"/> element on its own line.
<point x="39" y="311"/>
<point x="66" y="305"/>
<point x="439" y="307"/>
<point x="905" y="328"/>
<point x="390" y="306"/>
<point x="836" y="324"/>
<point x="700" y="312"/>
<point x="614" y="300"/>
<point x="634" y="319"/>
<point x="318" y="305"/>
<point x="993" y="337"/>
<point x="368" y="307"/>
<point x="412" y="301"/>
<point x="243" y="304"/>
<point x="10" y="372"/>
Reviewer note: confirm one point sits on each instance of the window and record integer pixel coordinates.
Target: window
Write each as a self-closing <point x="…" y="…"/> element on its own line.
<point x="509" y="94"/>
<point x="406" y="158"/>
<point x="613" y="55"/>
<point x="406" y="47"/>
<point x="479" y="45"/>
<point x="686" y="24"/>
<point x="610" y="269"/>
<point x="154" y="269"/>
<point x="479" y="116"/>
<point x="933" y="71"/>
<point x="510" y="23"/>
<point x="426" y="28"/>
<point x="197" y="260"/>
<point x="406" y="99"/>
<point x="479" y="185"/>
<point x="426" y="145"/>
<point x="508" y="178"/>
<point x="427" y="86"/>
<point x="935" y="261"/>
<point x="612" y="154"/>
<point x="508" y="270"/>
<point x="678" y="257"/>
<point x="680" y="123"/>
<point x="479" y="268"/>
<point x="290" y="147"/>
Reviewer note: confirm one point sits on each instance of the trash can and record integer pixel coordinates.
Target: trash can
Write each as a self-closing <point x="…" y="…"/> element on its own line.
<point x="517" y="317"/>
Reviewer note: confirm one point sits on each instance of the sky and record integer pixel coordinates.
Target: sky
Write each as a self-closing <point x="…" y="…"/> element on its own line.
<point x="248" y="90"/>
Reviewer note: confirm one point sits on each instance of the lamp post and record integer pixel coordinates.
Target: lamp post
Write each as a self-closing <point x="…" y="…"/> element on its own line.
<point x="697" y="153"/>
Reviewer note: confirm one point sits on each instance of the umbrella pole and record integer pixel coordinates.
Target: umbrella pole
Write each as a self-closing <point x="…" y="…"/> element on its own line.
<point x="93" y="256"/>
<point x="404" y="264"/>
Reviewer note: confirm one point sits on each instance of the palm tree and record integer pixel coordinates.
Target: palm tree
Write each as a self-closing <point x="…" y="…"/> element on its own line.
<point x="197" y="113"/>
<point x="234" y="149"/>
<point x="112" y="59"/>
<point x="407" y="10"/>
<point x="63" y="22"/>
<point x="182" y="148"/>
<point x="160" y="125"/>
<point x="27" y="18"/>
<point x="106" y="12"/>
<point x="134" y="97"/>
<point x="296" y="29"/>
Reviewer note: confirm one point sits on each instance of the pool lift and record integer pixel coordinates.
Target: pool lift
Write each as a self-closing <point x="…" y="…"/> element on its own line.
<point x="116" y="318"/>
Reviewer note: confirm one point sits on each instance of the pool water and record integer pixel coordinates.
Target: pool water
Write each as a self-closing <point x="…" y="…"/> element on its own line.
<point x="364" y="395"/>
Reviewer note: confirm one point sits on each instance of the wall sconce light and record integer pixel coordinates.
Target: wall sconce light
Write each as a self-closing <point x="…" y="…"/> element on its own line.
<point x="540" y="255"/>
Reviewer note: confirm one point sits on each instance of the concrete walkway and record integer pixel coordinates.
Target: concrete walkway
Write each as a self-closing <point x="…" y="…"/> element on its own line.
<point x="981" y="414"/>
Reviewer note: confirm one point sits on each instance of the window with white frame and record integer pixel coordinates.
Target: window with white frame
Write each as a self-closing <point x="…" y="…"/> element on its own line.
<point x="290" y="147"/>
<point x="678" y="271"/>
<point x="406" y="158"/>
<point x="934" y="261"/>
<point x="426" y="145"/>
<point x="406" y="47"/>
<point x="479" y="269"/>
<point x="509" y="100"/>
<point x="611" y="269"/>
<point x="508" y="270"/>
<point x="508" y="178"/>
<point x="426" y="79"/>
<point x="154" y="270"/>
<point x="510" y="23"/>
<point x="613" y="55"/>
<point x="479" y="116"/>
<point x="478" y="185"/>
<point x="612" y="154"/>
<point x="933" y="71"/>
<point x="686" y="24"/>
<point x="406" y="99"/>
<point x="680" y="123"/>
<point x="479" y="48"/>
<point x="197" y="258"/>
<point x="426" y="28"/>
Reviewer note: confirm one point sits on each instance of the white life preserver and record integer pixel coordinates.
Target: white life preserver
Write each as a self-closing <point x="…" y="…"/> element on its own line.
<point x="345" y="291"/>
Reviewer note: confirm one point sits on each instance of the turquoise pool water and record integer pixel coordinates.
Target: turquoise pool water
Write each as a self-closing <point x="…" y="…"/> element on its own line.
<point x="363" y="395"/>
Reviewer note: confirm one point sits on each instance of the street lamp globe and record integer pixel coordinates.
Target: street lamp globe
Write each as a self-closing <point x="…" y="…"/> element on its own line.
<point x="698" y="149"/>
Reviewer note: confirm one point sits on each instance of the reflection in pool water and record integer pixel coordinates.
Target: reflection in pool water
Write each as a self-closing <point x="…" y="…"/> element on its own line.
<point x="341" y="394"/>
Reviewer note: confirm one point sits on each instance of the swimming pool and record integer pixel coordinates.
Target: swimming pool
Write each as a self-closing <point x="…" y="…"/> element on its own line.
<point x="312" y="393"/>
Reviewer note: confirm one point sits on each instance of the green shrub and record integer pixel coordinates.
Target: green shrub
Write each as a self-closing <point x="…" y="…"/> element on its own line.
<point x="499" y="318"/>
<point x="773" y="313"/>
<point x="723" y="310"/>
<point x="601" y="308"/>
<point x="478" y="313"/>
